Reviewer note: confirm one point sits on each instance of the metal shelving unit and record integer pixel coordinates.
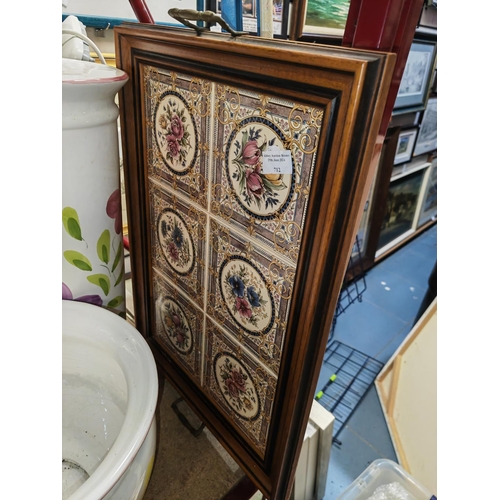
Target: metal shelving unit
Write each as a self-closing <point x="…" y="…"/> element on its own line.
<point x="352" y="375"/>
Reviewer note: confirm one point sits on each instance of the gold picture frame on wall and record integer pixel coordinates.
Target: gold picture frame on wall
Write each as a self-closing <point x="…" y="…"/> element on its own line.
<point x="245" y="182"/>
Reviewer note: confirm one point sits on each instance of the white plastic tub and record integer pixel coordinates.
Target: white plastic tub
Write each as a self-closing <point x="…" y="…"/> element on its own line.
<point x="381" y="472"/>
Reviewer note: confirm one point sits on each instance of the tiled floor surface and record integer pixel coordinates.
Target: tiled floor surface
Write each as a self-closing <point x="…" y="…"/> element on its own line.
<point x="376" y="326"/>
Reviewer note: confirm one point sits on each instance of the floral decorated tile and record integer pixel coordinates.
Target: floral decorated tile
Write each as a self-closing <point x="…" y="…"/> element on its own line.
<point x="178" y="242"/>
<point x="179" y="325"/>
<point x="268" y="205"/>
<point x="177" y="119"/>
<point x="249" y="293"/>
<point x="242" y="388"/>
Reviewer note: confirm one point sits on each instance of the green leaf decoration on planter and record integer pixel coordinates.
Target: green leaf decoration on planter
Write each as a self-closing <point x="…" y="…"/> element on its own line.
<point x="103" y="244"/>
<point x="116" y="301"/>
<point x="117" y="257"/>
<point x="72" y="223"/>
<point x="119" y="279"/>
<point x="78" y="260"/>
<point x="100" y="280"/>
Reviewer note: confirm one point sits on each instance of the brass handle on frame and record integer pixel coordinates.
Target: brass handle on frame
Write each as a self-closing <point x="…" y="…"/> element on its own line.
<point x="186" y="15"/>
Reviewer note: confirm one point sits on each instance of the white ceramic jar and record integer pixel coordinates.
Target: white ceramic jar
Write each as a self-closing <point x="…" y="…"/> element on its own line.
<point x="109" y="397"/>
<point x="92" y="244"/>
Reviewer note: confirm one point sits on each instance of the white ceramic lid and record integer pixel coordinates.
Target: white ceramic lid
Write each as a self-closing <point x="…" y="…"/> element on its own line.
<point x="84" y="72"/>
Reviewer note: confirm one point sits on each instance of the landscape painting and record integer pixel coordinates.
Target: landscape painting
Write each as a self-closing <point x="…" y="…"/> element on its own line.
<point x="402" y="202"/>
<point x="327" y="17"/>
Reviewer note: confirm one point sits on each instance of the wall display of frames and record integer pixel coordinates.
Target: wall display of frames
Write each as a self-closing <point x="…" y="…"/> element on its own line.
<point x="406" y="143"/>
<point x="250" y="13"/>
<point x="427" y="135"/>
<point x="237" y="266"/>
<point x="319" y="20"/>
<point x="414" y="87"/>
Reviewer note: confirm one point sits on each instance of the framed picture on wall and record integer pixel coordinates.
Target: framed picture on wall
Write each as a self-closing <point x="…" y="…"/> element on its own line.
<point x="428" y="17"/>
<point x="319" y="18"/>
<point x="401" y="206"/>
<point x="406" y="142"/>
<point x="427" y="135"/>
<point x="428" y="211"/>
<point x="415" y="82"/>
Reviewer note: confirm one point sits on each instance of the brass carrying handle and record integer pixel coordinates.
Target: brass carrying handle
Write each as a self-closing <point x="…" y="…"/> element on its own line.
<point x="186" y="15"/>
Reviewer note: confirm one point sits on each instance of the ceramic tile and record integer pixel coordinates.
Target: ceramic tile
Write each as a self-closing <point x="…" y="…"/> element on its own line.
<point x="414" y="268"/>
<point x="268" y="206"/>
<point x="242" y="389"/>
<point x="178" y="233"/>
<point x="390" y="348"/>
<point x="368" y="422"/>
<point x="347" y="462"/>
<point x="177" y="117"/>
<point x="366" y="327"/>
<point x="393" y="294"/>
<point x="427" y="246"/>
<point x="249" y="293"/>
<point x="179" y="324"/>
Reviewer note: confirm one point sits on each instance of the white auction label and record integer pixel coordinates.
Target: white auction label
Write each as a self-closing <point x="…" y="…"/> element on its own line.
<point x="276" y="161"/>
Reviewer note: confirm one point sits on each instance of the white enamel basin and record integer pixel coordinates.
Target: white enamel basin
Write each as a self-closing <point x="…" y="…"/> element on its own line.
<point x="109" y="396"/>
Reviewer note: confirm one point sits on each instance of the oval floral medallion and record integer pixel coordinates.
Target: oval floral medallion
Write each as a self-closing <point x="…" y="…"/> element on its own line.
<point x="246" y="295"/>
<point x="176" y="326"/>
<point x="175" y="133"/>
<point x="236" y="386"/>
<point x="176" y="242"/>
<point x="261" y="195"/>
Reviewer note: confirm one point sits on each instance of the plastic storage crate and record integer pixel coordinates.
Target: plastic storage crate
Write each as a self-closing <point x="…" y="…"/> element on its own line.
<point x="383" y="471"/>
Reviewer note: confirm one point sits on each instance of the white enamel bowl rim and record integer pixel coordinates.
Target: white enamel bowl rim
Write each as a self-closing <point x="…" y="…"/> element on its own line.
<point x="105" y="330"/>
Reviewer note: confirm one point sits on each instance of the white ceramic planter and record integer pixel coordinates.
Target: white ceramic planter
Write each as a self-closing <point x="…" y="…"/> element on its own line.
<point x="110" y="391"/>
<point x="92" y="246"/>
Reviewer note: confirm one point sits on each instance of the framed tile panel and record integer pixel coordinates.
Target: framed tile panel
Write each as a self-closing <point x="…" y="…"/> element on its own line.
<point x="245" y="162"/>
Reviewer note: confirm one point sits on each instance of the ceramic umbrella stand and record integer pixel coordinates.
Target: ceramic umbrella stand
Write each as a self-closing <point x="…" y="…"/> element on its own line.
<point x="92" y="244"/>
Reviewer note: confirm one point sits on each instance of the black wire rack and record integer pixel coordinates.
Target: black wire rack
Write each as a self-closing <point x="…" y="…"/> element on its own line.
<point x="352" y="374"/>
<point x="352" y="289"/>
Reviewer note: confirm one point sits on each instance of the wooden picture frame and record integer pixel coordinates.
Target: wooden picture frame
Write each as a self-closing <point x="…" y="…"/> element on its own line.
<point x="427" y="135"/>
<point x="414" y="87"/>
<point x="406" y="143"/>
<point x="236" y="272"/>
<point x="401" y="209"/>
<point x="309" y="21"/>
